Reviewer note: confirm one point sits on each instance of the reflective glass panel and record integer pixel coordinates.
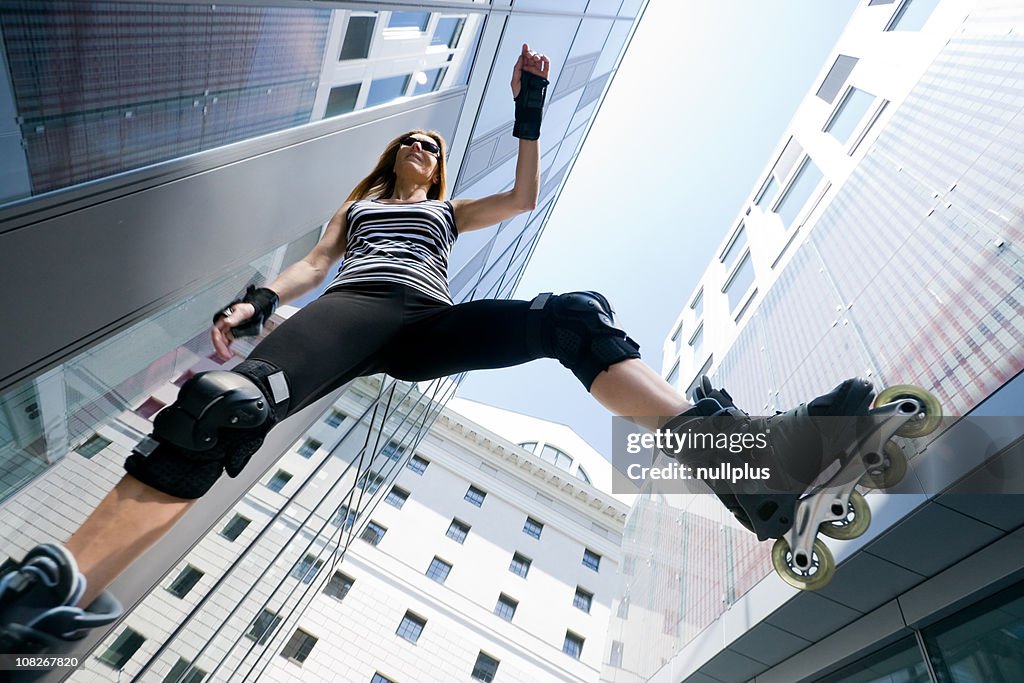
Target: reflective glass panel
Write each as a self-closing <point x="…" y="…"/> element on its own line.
<point x="98" y="88"/>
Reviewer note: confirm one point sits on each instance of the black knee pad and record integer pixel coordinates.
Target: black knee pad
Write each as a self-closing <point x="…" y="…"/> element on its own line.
<point x="216" y="424"/>
<point x="579" y="330"/>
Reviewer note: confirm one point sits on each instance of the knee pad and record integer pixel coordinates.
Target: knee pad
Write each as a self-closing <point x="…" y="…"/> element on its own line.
<point x="216" y="424"/>
<point x="579" y="330"/>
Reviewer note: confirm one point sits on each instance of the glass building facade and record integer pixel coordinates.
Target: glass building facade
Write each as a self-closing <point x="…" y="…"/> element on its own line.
<point x="160" y="157"/>
<point x="901" y="262"/>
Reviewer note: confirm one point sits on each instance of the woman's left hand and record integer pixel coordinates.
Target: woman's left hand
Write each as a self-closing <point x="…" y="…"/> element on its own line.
<point x="531" y="61"/>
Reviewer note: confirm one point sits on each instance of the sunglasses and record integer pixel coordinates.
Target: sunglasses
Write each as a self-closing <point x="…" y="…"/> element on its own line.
<point x="425" y="145"/>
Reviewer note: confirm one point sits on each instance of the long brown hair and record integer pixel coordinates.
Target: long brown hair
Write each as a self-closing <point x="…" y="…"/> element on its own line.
<point x="381" y="181"/>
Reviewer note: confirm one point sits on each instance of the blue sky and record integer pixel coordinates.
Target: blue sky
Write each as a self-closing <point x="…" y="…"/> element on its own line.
<point x="701" y="99"/>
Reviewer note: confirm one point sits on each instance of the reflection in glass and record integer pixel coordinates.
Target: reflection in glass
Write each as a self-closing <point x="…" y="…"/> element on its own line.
<point x="983" y="643"/>
<point x="44" y="418"/>
<point x="358" y="35"/>
<point x="98" y="88"/>
<point x="900" y="662"/>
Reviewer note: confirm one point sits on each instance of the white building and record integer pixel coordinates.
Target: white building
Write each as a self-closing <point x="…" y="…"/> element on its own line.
<point x="477" y="557"/>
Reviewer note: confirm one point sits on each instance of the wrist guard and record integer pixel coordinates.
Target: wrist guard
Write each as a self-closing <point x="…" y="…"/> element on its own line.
<point x="265" y="302"/>
<point x="530" y="106"/>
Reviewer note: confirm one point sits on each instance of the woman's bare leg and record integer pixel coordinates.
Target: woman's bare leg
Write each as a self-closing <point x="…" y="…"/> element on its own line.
<point x="130" y="519"/>
<point x="633" y="390"/>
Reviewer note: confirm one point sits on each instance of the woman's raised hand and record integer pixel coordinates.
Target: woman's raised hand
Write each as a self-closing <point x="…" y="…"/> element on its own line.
<point x="534" y="62"/>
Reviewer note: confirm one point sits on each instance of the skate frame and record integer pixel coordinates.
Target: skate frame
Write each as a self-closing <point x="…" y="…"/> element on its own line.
<point x="830" y="502"/>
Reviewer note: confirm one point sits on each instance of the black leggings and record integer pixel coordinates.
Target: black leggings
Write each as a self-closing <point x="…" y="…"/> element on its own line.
<point x="362" y="330"/>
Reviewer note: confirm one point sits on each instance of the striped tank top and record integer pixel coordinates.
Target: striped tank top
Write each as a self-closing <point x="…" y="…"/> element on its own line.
<point x="407" y="244"/>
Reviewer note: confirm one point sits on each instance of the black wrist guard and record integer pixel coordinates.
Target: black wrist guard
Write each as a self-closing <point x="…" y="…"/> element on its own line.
<point x="530" y="106"/>
<point x="265" y="302"/>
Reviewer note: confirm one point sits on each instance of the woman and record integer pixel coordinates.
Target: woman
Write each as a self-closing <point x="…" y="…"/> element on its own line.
<point x="387" y="310"/>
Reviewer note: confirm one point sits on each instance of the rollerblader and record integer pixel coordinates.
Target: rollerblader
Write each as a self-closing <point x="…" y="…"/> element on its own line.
<point x="388" y="309"/>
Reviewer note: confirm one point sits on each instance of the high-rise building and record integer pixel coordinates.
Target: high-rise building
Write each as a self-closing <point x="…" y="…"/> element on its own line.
<point x="883" y="239"/>
<point x="159" y="157"/>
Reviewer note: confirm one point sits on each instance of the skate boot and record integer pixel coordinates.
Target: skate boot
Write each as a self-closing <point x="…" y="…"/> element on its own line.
<point x="38" y="612"/>
<point x="795" y="473"/>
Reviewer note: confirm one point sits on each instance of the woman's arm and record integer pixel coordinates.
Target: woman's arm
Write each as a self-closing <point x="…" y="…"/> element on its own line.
<point x="297" y="279"/>
<point x="472" y="214"/>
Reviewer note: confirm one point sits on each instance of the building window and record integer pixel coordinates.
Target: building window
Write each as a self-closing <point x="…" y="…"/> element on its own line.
<point x="184" y="672"/>
<point x="393" y="451"/>
<point x="573" y="645"/>
<point x="485" y="669"/>
<point x="475" y="496"/>
<point x="358" y="35"/>
<point x="698" y="306"/>
<point x="583" y="599"/>
<point x="767" y="193"/>
<point x="278" y="481"/>
<point x="339" y="586"/>
<point x="387" y="89"/>
<point x="308" y="447"/>
<point x="591" y="559"/>
<point x="149" y="408"/>
<point x="397" y="497"/>
<point x="848" y="114"/>
<point x="299" y="646"/>
<point x="342" y="99"/>
<point x="458" y="530"/>
<point x="185" y="582"/>
<point x="529" y="445"/>
<point x="506" y="607"/>
<point x="416" y="20"/>
<point x="380" y="678"/>
<point x="335" y="418"/>
<point x="520" y="565"/>
<point x="411" y="627"/>
<point x="428" y="81"/>
<point x="582" y="475"/>
<point x="555" y="456"/>
<point x="234" y="528"/>
<point x="306" y="568"/>
<point x="263" y="627"/>
<point x="345" y="517"/>
<point x="673" y="375"/>
<point x="418" y="464"/>
<point x="438" y="570"/>
<point x="912" y="15"/>
<point x="615" y="658"/>
<point x="697" y="344"/>
<point x="370" y="481"/>
<point x="533" y="527"/>
<point x="373" y="533"/>
<point x="734" y="249"/>
<point x="92" y="446"/>
<point x="121" y="651"/>
<point x="798" y="192"/>
<point x="447" y="31"/>
<point x="739" y="284"/>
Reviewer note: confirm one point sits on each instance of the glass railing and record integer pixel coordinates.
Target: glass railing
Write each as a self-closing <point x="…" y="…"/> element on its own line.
<point x="43" y="419"/>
